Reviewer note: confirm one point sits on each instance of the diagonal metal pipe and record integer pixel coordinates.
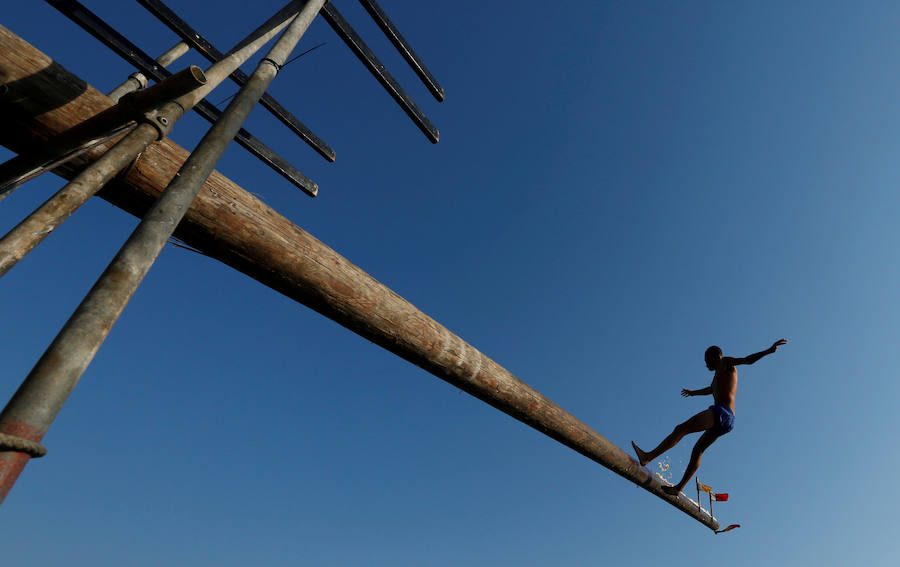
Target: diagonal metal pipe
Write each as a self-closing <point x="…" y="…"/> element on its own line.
<point x="23" y="238"/>
<point x="134" y="82"/>
<point x="400" y="43"/>
<point x="378" y="70"/>
<point x="190" y="35"/>
<point x="124" y="48"/>
<point x="138" y="80"/>
<point x="35" y="227"/>
<point x="39" y="399"/>
<point x="26" y="235"/>
<point x="97" y="128"/>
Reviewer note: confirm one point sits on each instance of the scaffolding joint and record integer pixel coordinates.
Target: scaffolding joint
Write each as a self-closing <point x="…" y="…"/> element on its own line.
<point x="163" y="119"/>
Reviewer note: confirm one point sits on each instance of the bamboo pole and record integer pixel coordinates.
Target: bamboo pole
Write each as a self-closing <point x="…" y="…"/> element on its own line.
<point x="231" y="225"/>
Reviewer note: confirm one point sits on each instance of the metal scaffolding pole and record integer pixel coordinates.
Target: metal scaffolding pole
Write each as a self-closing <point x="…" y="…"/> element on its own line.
<point x="396" y="38"/>
<point x="138" y="80"/>
<point x="26" y="235"/>
<point x="379" y="71"/>
<point x="39" y="399"/>
<point x="91" y="23"/>
<point x="19" y="241"/>
<point x="95" y="129"/>
<point x="206" y="49"/>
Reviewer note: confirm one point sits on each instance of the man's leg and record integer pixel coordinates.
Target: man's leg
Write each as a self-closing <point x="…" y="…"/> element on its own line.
<point x="700" y="422"/>
<point x="702" y="444"/>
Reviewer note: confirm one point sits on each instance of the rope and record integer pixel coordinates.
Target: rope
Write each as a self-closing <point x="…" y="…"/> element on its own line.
<point x="12" y="443"/>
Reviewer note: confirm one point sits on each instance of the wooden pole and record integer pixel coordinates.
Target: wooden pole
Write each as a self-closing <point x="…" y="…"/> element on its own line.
<point x="231" y="225"/>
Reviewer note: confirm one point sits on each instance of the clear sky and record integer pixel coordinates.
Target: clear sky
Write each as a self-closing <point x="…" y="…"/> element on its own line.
<point x="617" y="186"/>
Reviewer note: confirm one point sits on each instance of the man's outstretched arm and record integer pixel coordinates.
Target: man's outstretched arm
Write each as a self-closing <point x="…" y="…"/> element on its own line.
<point x="701" y="392"/>
<point x="756" y="356"/>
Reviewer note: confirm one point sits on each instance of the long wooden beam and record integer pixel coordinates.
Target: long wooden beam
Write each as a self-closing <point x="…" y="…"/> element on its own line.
<point x="229" y="224"/>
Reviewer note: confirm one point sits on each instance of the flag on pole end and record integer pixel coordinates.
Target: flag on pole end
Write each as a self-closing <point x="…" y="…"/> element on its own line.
<point x="728" y="529"/>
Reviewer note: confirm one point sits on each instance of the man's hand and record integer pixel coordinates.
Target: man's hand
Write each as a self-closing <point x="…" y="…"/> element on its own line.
<point x="777" y="344"/>
<point x="686" y="393"/>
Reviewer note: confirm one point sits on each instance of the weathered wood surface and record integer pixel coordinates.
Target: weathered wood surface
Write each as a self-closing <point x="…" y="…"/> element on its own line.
<point x="234" y="227"/>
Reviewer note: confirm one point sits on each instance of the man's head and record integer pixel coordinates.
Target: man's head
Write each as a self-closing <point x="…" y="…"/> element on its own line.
<point x="713" y="357"/>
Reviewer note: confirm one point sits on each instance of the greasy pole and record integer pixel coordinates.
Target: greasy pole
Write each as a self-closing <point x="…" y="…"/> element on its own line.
<point x="295" y="263"/>
<point x="230" y="224"/>
<point x="34" y="406"/>
<point x="341" y="291"/>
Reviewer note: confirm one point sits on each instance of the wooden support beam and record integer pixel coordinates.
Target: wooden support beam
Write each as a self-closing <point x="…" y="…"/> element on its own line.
<point x="234" y="227"/>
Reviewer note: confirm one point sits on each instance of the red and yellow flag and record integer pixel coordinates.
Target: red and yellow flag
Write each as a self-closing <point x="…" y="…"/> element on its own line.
<point x="717" y="497"/>
<point x="728" y="529"/>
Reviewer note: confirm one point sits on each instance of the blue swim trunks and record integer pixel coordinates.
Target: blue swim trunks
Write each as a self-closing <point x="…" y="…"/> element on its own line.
<point x="724" y="419"/>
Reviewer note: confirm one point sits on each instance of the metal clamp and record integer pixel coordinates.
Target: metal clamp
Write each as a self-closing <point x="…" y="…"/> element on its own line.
<point x="160" y="121"/>
<point x="139" y="78"/>
<point x="274" y="63"/>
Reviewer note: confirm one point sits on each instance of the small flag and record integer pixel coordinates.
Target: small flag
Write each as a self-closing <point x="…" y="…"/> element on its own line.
<point x="704" y="488"/>
<point x="728" y="529"/>
<point x="719" y="497"/>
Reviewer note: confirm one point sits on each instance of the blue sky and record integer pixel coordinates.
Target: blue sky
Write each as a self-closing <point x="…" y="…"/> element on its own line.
<point x="617" y="186"/>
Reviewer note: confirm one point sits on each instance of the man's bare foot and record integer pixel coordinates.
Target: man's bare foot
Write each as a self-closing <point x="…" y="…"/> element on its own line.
<point x="671" y="490"/>
<point x="642" y="456"/>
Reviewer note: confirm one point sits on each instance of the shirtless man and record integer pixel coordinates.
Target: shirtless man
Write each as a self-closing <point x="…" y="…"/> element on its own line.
<point x="715" y="421"/>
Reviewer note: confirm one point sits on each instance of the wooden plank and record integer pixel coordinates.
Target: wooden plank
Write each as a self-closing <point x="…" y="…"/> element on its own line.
<point x="234" y="227"/>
